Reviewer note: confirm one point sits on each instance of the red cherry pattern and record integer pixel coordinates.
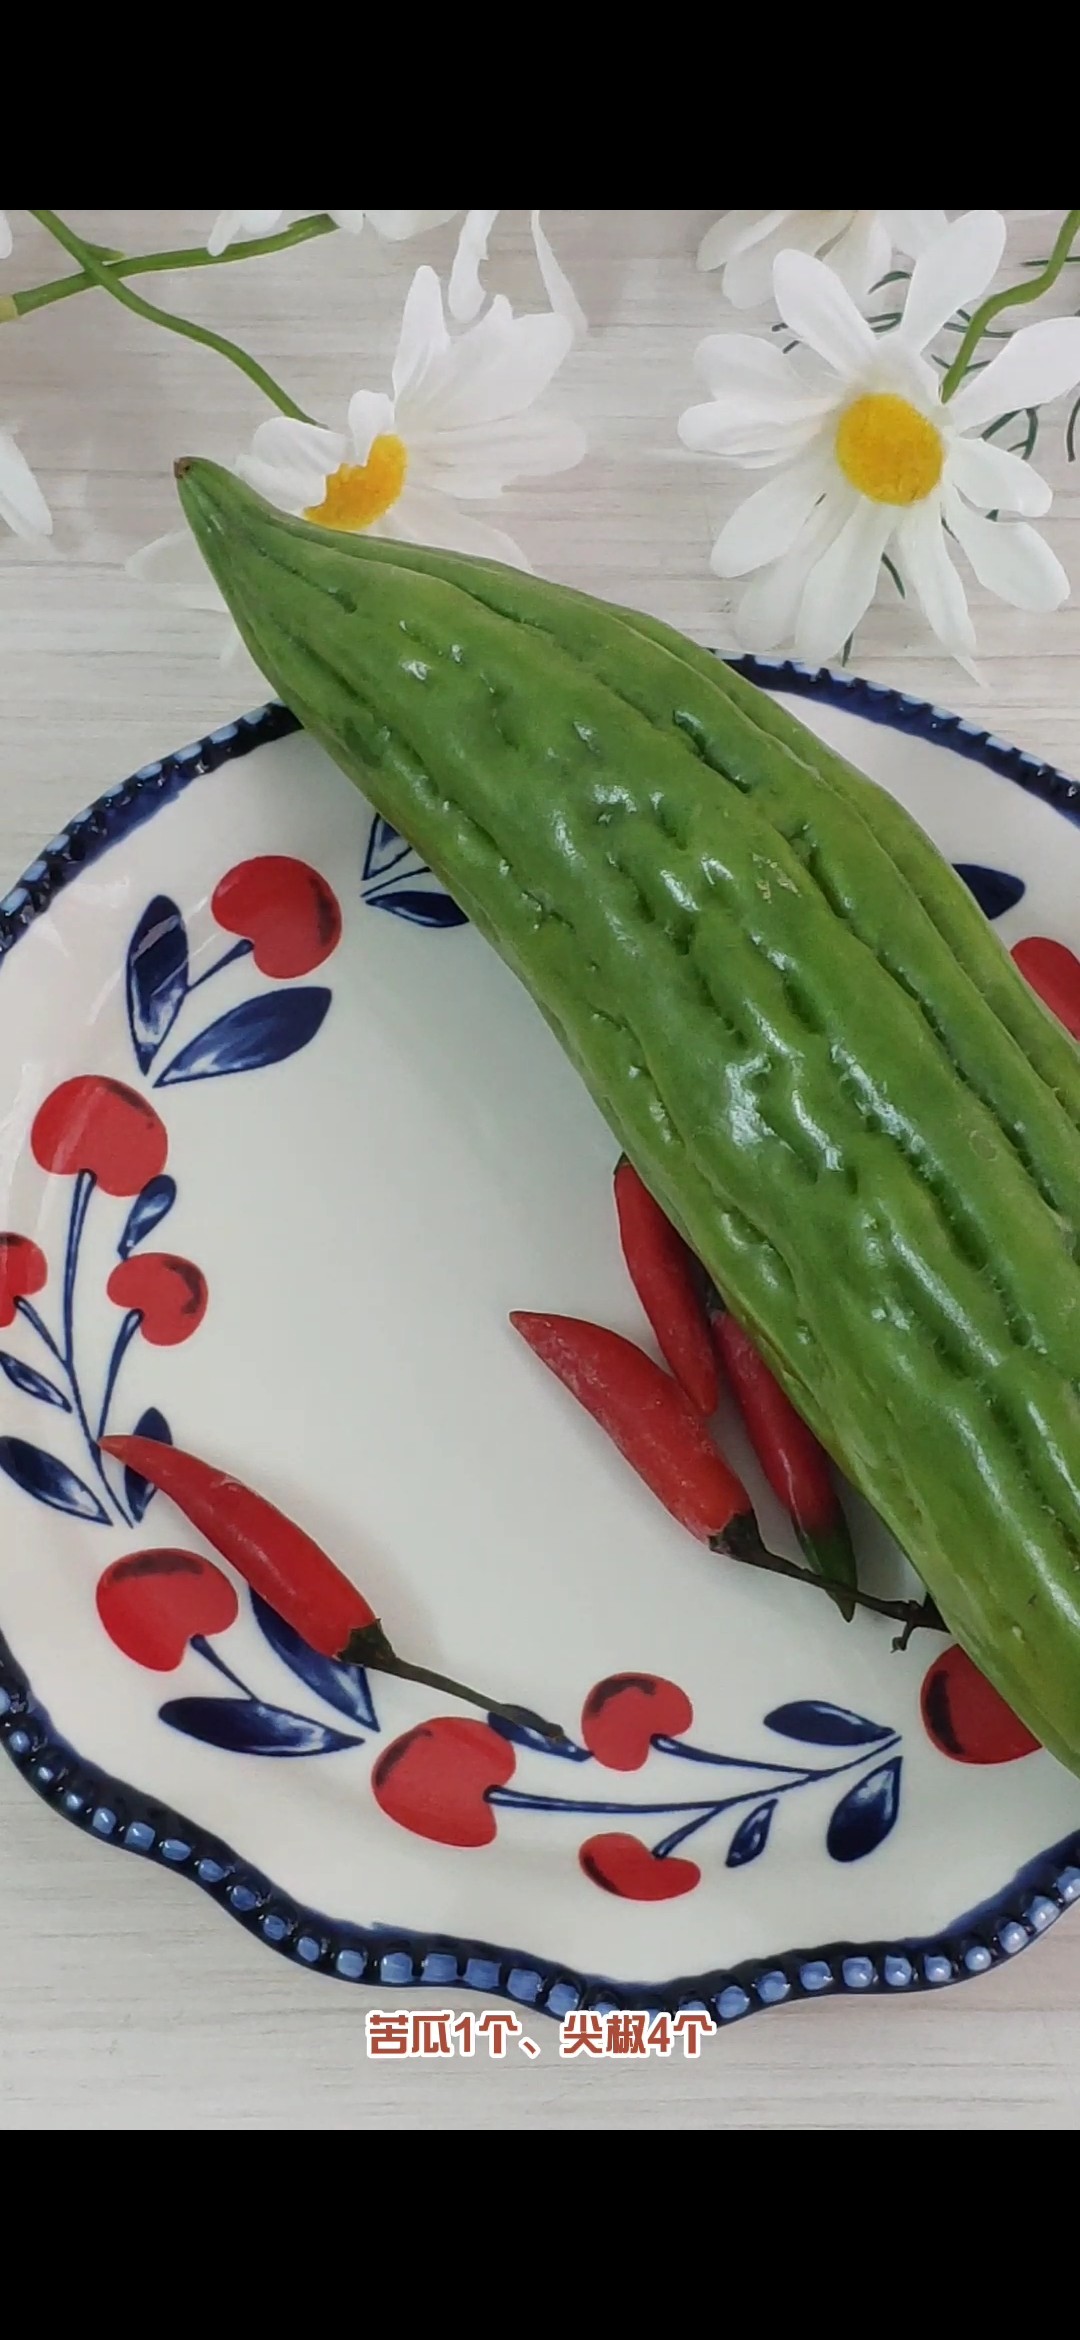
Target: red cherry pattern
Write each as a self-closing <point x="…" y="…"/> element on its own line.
<point x="434" y="1780"/>
<point x="1053" y="971"/>
<point x="623" y="1865"/>
<point x="22" y="1273"/>
<point x="284" y="909"/>
<point x="964" y="1716"/>
<point x="95" y="1124"/>
<point x="624" y="1714"/>
<point x="153" y="1602"/>
<point x="169" y="1293"/>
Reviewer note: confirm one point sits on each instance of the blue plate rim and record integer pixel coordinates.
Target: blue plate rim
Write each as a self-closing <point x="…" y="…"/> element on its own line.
<point x="381" y="1955"/>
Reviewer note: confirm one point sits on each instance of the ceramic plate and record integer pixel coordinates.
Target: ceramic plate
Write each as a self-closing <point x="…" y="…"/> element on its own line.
<point x="282" y="1144"/>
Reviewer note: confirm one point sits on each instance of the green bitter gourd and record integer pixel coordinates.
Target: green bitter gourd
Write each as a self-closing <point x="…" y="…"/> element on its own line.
<point x="784" y="1001"/>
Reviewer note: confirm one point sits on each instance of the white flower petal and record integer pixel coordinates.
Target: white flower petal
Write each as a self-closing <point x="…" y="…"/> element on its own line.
<point x="230" y="224"/>
<point x="749" y="276"/>
<point x="22" y="504"/>
<point x="842" y="584"/>
<point x="173" y="564"/>
<point x="951" y="273"/>
<point x="5" y="235"/>
<point x="478" y="461"/>
<point x="770" y="521"/>
<point x="914" y="231"/>
<point x="1039" y="363"/>
<point x="861" y="254"/>
<point x="465" y="297"/>
<point x="282" y="439"/>
<point x="928" y="569"/>
<point x="351" y="221"/>
<point x="371" y="414"/>
<point x="396" y="227"/>
<point x="988" y="475"/>
<point x="421" y="516"/>
<point x="423" y="342"/>
<point x="1010" y="559"/>
<point x="813" y="302"/>
<point x="723" y="427"/>
<point x="736" y="231"/>
<point x="495" y="369"/>
<point x="740" y="365"/>
<point x="907" y="372"/>
<point x="222" y="232"/>
<point x="767" y="612"/>
<point x="557" y="285"/>
<point x="290" y="462"/>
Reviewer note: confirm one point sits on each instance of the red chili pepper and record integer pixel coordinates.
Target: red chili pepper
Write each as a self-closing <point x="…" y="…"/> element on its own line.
<point x="1053" y="971"/>
<point x="652" y="1422"/>
<point x="663" y="1274"/>
<point x="291" y="1572"/>
<point x="795" y="1464"/>
<point x="650" y="1419"/>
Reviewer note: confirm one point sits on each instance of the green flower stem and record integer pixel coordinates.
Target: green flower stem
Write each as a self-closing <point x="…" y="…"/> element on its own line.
<point x="41" y="296"/>
<point x="106" y="277"/>
<point x="1017" y="296"/>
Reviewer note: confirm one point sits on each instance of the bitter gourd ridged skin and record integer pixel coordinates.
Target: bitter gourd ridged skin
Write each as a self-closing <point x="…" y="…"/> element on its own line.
<point x="807" y="1040"/>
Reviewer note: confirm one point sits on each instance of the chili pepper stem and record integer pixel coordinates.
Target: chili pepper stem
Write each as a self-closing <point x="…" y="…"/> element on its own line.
<point x="741" y="1540"/>
<point x="368" y="1646"/>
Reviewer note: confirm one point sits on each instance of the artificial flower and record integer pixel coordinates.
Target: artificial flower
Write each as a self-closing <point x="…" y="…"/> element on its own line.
<point x="395" y="226"/>
<point x="458" y="424"/>
<point x="22" y="504"/>
<point x="868" y="459"/>
<point x="5" y="235"/>
<point x="465" y="297"/>
<point x="454" y="427"/>
<point x="858" y="244"/>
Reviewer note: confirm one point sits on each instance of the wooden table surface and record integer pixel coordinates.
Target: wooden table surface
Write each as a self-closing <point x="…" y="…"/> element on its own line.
<point x="127" y="2000"/>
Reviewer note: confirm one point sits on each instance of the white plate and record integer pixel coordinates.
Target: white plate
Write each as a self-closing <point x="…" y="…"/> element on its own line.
<point x="406" y="1157"/>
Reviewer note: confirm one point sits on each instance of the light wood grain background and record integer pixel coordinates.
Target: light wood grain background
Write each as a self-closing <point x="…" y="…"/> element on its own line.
<point x="126" y="1999"/>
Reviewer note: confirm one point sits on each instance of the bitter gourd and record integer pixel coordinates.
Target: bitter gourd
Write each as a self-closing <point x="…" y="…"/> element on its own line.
<point x="786" y="1004"/>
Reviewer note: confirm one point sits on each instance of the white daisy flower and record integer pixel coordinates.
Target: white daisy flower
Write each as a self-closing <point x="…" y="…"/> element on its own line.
<point x="465" y="297"/>
<point x="858" y="244"/>
<point x="454" y="427"/>
<point x="395" y="226"/>
<point x="460" y="423"/>
<point x="868" y="459"/>
<point x="22" y="506"/>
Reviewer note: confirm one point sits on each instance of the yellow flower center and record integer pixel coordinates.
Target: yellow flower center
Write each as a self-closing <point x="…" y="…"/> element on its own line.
<point x="888" y="450"/>
<point x="358" y="493"/>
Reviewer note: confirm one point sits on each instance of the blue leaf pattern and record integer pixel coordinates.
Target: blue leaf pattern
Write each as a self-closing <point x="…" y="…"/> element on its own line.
<point x="259" y="1032"/>
<point x="751" y="1836"/>
<point x="147" y="1212"/>
<point x="157" y="974"/>
<point x="818" y="1724"/>
<point x="32" y="1384"/>
<point x="385" y="848"/>
<point x="345" y="1687"/>
<point x="866" y="1815"/>
<point x="139" y="1492"/>
<point x="246" y="1727"/>
<point x="520" y="1735"/>
<point x="421" y="909"/>
<point x="995" y="890"/>
<point x="49" y="1481"/>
